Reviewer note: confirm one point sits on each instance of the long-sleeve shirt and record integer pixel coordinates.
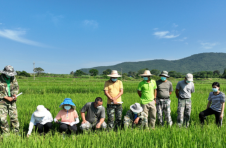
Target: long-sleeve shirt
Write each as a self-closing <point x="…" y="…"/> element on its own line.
<point x="4" y="89"/>
<point x="34" y="120"/>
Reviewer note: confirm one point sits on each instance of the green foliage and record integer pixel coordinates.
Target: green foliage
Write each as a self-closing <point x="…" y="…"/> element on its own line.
<point x="23" y="73"/>
<point x="79" y="73"/>
<point x="175" y="74"/>
<point x="107" y="72"/>
<point x="93" y="72"/>
<point x="155" y="72"/>
<point x="38" y="70"/>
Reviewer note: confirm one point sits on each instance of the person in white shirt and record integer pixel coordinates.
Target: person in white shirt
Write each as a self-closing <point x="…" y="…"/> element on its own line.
<point x="42" y="119"/>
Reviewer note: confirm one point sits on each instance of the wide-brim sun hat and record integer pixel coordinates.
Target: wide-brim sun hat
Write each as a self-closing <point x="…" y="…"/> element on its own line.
<point x="9" y="71"/>
<point x="40" y="111"/>
<point x="136" y="108"/>
<point x="146" y="73"/>
<point x="189" y="77"/>
<point x="114" y="74"/>
<point x="67" y="101"/>
<point x="165" y="74"/>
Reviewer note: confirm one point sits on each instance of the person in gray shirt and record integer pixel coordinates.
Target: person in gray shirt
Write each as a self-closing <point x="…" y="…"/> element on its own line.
<point x="95" y="115"/>
<point x="164" y="90"/>
<point x="183" y="92"/>
<point x="215" y="105"/>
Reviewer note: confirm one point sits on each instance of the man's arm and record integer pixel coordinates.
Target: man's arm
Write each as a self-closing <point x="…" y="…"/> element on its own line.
<point x="83" y="117"/>
<point x="155" y="93"/>
<point x="120" y="93"/>
<point x="108" y="95"/>
<point x="139" y="93"/>
<point x="99" y="124"/>
<point x="177" y="93"/>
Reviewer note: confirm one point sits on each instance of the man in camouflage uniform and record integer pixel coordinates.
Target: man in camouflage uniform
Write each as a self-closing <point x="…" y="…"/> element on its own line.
<point x="113" y="89"/>
<point x="164" y="90"/>
<point x="8" y="90"/>
<point x="184" y="89"/>
<point x="136" y="117"/>
<point x="94" y="117"/>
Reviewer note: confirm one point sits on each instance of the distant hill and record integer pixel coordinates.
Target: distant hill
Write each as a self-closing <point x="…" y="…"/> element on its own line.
<point x="194" y="63"/>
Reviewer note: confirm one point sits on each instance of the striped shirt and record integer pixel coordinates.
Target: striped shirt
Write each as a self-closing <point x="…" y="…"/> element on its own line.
<point x="217" y="101"/>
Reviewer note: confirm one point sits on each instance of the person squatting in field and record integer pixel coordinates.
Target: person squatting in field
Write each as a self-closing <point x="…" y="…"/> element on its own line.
<point x="95" y="115"/>
<point x="42" y="119"/>
<point x="215" y="105"/>
<point x="147" y="92"/>
<point x="113" y="89"/>
<point x="136" y="117"/>
<point x="68" y="116"/>
<point x="164" y="90"/>
<point x="184" y="89"/>
<point x="9" y="88"/>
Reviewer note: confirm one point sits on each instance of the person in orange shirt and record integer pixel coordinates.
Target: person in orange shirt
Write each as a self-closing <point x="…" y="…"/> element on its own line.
<point x="113" y="89"/>
<point x="68" y="116"/>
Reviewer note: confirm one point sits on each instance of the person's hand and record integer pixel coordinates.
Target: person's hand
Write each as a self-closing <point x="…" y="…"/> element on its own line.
<point x="136" y="120"/>
<point x="155" y="100"/>
<point x="10" y="99"/>
<point x="221" y="116"/>
<point x="115" y="102"/>
<point x="84" y="121"/>
<point x="28" y="135"/>
<point x="14" y="97"/>
<point x="98" y="125"/>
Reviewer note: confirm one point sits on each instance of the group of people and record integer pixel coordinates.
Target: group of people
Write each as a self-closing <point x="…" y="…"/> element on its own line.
<point x="154" y="96"/>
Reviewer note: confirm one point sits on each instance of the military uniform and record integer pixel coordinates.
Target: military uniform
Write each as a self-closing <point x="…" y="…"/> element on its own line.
<point x="88" y="126"/>
<point x="129" y="120"/>
<point x="7" y="107"/>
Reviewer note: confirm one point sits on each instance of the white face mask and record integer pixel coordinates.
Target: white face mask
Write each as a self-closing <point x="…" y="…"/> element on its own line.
<point x="67" y="107"/>
<point x="99" y="107"/>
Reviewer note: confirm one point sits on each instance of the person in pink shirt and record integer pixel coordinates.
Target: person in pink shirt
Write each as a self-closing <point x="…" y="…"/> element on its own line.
<point x="68" y="116"/>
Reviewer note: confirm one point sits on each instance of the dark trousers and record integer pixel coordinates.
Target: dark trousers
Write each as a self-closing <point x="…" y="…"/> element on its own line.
<point x="208" y="112"/>
<point x="67" y="128"/>
<point x="43" y="128"/>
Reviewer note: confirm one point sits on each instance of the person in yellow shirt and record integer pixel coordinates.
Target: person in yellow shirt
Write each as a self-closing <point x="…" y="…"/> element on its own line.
<point x="113" y="89"/>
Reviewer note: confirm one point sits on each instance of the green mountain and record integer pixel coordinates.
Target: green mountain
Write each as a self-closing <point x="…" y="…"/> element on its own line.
<point x="194" y="63"/>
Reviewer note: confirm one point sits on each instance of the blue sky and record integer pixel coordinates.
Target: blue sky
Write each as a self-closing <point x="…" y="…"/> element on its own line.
<point x="63" y="36"/>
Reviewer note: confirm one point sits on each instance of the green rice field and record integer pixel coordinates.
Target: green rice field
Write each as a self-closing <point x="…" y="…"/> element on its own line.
<point x="51" y="91"/>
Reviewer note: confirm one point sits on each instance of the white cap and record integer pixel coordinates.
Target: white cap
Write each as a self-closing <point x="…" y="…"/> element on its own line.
<point x="189" y="77"/>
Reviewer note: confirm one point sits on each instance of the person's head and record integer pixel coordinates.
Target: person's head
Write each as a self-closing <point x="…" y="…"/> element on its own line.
<point x="136" y="108"/>
<point x="146" y="75"/>
<point x="188" y="78"/>
<point x="40" y="112"/>
<point x="215" y="86"/>
<point x="98" y="102"/>
<point x="114" y="75"/>
<point x="164" y="75"/>
<point x="8" y="71"/>
<point x="67" y="104"/>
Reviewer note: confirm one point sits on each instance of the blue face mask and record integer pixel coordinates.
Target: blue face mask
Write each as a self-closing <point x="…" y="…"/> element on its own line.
<point x="114" y="80"/>
<point x="163" y="78"/>
<point x="145" y="78"/>
<point x="188" y="81"/>
<point x="215" y="89"/>
<point x="67" y="107"/>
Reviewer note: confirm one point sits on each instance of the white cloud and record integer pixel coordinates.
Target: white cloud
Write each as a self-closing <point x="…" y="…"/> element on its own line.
<point x="16" y="35"/>
<point x="0" y="23"/>
<point x="165" y="34"/>
<point x="207" y="45"/>
<point x="155" y="29"/>
<point x="91" y="23"/>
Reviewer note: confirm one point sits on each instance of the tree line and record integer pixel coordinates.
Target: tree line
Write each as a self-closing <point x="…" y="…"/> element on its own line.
<point x="156" y="72"/>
